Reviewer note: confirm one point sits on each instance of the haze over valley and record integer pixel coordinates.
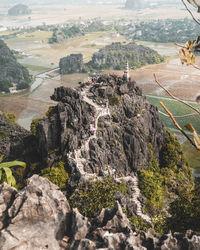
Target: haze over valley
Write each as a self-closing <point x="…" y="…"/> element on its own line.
<point x="99" y="124"/>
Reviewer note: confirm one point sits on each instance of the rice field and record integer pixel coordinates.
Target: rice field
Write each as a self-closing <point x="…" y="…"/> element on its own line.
<point x="181" y="112"/>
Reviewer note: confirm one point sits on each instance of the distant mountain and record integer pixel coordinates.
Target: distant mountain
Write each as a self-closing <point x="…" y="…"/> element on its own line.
<point x="141" y="4"/>
<point x="18" y="10"/>
<point x="116" y="55"/>
<point x="113" y="56"/>
<point x="136" y="4"/>
<point x="11" y="72"/>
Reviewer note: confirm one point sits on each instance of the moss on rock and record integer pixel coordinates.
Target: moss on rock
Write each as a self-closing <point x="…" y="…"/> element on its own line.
<point x="96" y="196"/>
<point x="57" y="175"/>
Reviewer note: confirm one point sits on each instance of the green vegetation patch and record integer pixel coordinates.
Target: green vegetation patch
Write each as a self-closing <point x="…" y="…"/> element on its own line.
<point x="34" y="125"/>
<point x="151" y="185"/>
<point x="57" y="175"/>
<point x="3" y="134"/>
<point x="51" y="111"/>
<point x="140" y="223"/>
<point x="161" y="183"/>
<point x="10" y="117"/>
<point x="114" y="101"/>
<point x="97" y="195"/>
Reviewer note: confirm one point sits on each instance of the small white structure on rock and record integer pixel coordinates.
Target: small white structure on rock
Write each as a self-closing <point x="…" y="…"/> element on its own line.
<point x="126" y="72"/>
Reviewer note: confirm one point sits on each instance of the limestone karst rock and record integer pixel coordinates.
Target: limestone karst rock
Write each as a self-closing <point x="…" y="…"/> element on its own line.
<point x="126" y="123"/>
<point x="16" y="142"/>
<point x="39" y="217"/>
<point x="34" y="218"/>
<point x="18" y="10"/>
<point x="71" y="64"/>
<point x="11" y="72"/>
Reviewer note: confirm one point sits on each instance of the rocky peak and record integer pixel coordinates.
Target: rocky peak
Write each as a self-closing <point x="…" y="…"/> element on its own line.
<point x="124" y="124"/>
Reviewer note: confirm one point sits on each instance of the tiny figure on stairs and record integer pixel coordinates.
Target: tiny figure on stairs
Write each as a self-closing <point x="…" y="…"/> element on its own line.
<point x="92" y="131"/>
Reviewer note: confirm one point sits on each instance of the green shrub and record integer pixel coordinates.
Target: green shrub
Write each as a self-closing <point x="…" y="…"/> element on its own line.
<point x="96" y="196"/>
<point x="34" y="125"/>
<point x="171" y="153"/>
<point x="114" y="100"/>
<point x="57" y="175"/>
<point x="151" y="185"/>
<point x="140" y="223"/>
<point x="185" y="211"/>
<point x="4" y="133"/>
<point x="153" y="164"/>
<point x="50" y="111"/>
<point x="10" y="117"/>
<point x="160" y="224"/>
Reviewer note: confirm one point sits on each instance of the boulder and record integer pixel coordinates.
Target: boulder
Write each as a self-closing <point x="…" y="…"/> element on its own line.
<point x="34" y="218"/>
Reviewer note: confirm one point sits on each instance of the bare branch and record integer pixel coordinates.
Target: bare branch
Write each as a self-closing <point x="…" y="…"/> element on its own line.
<point x="174" y="97"/>
<point x="195" y="66"/>
<point x="179" y="45"/>
<point x="194" y="18"/>
<point x="178" y="126"/>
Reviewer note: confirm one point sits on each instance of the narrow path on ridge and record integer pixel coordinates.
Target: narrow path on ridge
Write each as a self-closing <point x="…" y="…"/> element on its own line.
<point x="80" y="161"/>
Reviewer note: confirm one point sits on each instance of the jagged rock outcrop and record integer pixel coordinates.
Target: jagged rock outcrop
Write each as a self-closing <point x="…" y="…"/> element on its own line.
<point x="39" y="217"/>
<point x="35" y="218"/>
<point x="102" y="129"/>
<point x="16" y="142"/>
<point x="11" y="72"/>
<point x="125" y="122"/>
<point x="18" y="10"/>
<point x="71" y="64"/>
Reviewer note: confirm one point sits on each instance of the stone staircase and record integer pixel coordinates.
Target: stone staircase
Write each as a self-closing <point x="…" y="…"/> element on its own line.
<point x="135" y="196"/>
<point x="77" y="154"/>
<point x="80" y="161"/>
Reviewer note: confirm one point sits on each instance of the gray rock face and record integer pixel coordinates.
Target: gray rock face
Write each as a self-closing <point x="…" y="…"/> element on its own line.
<point x="125" y="124"/>
<point x="34" y="218"/>
<point x="112" y="230"/>
<point x="69" y="126"/>
<point x="11" y="71"/>
<point x="71" y="64"/>
<point x="16" y="142"/>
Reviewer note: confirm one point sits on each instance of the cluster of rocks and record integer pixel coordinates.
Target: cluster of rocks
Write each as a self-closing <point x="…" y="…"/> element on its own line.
<point x="39" y="217"/>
